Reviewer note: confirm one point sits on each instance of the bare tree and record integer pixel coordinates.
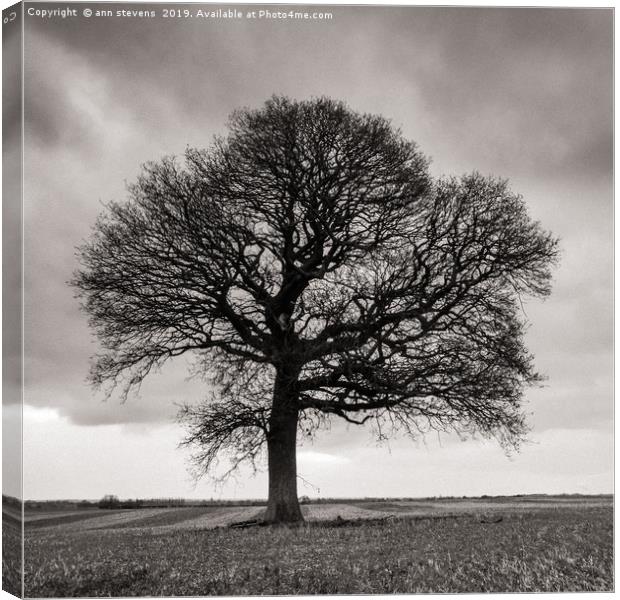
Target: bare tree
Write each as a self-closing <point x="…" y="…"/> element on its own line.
<point x="315" y="269"/>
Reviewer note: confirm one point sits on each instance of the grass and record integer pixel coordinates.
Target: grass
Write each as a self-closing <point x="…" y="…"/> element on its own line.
<point x="11" y="553"/>
<point x="553" y="548"/>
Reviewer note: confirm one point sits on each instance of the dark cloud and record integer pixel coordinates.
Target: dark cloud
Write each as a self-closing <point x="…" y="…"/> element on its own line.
<point x="527" y="88"/>
<point x="11" y="85"/>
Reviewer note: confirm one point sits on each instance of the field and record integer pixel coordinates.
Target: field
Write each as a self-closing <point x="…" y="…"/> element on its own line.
<point x="540" y="544"/>
<point x="11" y="548"/>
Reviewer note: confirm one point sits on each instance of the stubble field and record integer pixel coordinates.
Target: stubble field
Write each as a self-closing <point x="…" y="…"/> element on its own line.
<point x="540" y="544"/>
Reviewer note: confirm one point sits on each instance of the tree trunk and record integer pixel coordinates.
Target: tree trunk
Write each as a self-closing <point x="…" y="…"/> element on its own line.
<point x="283" y="504"/>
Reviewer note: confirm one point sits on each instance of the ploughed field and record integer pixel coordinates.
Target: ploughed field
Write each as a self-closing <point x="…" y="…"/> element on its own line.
<point x="541" y="543"/>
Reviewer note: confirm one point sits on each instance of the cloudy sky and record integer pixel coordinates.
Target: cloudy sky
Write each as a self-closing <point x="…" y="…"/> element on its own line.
<point x="519" y="93"/>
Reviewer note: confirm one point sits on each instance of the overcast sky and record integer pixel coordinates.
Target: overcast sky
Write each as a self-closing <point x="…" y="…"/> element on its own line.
<point x="524" y="94"/>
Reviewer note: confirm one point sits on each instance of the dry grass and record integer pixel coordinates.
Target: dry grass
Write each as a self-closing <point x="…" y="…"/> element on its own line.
<point x="11" y="553"/>
<point x="555" y="548"/>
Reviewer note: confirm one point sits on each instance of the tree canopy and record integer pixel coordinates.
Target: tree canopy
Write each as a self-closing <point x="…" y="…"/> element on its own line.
<point x="315" y="269"/>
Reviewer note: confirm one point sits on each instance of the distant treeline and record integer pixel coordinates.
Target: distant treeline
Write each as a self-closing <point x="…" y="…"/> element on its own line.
<point x="112" y="501"/>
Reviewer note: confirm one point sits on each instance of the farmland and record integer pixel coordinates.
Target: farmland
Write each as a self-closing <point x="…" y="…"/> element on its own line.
<point x="11" y="546"/>
<point x="531" y="543"/>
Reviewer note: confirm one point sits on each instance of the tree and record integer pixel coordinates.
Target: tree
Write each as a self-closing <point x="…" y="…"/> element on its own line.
<point x="315" y="269"/>
<point x="109" y="501"/>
